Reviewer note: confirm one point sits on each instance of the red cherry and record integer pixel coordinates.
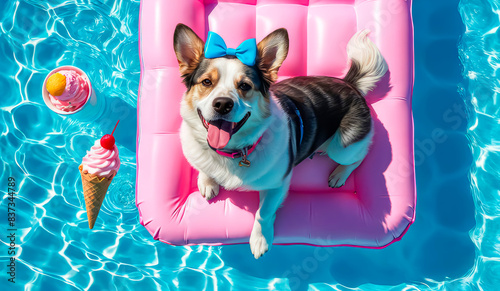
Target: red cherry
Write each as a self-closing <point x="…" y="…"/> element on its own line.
<point x="108" y="141"/>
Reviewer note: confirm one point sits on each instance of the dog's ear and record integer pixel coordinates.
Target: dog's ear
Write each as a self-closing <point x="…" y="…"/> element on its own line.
<point x="188" y="49"/>
<point x="272" y="51"/>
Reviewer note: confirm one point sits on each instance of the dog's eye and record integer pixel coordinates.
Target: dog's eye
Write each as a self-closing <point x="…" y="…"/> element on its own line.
<point x="245" y="87"/>
<point x="206" y="83"/>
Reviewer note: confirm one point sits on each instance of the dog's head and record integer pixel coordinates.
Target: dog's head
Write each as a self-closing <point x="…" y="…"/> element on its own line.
<point x="229" y="100"/>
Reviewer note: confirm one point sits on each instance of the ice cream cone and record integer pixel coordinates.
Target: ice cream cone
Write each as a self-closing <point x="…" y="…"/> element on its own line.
<point x="94" y="190"/>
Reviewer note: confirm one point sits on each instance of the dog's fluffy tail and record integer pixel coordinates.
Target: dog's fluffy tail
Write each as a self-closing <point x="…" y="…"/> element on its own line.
<point x="367" y="63"/>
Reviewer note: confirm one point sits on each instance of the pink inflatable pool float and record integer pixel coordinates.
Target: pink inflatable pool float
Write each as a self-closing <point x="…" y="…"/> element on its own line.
<point x="377" y="204"/>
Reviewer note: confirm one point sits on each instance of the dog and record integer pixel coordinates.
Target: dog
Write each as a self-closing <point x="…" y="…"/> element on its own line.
<point x="243" y="129"/>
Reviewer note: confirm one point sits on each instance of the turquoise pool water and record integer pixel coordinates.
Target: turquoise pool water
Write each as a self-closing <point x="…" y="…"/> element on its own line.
<point x="453" y="245"/>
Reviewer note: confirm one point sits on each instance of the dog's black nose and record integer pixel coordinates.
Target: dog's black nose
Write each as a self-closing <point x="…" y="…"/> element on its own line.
<point x="223" y="105"/>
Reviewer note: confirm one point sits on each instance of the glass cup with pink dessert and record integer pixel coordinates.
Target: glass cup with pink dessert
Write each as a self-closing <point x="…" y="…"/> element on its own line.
<point x="67" y="91"/>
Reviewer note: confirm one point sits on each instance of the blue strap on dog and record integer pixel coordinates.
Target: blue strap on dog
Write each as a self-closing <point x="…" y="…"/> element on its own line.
<point x="215" y="47"/>
<point x="301" y="124"/>
<point x="296" y="126"/>
<point x="292" y="108"/>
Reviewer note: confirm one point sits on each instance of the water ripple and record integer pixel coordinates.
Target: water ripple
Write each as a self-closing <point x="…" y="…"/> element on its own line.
<point x="43" y="150"/>
<point x="480" y="53"/>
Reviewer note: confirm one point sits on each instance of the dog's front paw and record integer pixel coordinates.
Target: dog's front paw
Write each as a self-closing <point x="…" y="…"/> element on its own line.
<point x="338" y="177"/>
<point x="207" y="186"/>
<point x="259" y="243"/>
<point x="336" y="182"/>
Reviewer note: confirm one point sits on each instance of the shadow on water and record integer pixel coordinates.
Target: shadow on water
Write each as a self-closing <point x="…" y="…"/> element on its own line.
<point x="437" y="246"/>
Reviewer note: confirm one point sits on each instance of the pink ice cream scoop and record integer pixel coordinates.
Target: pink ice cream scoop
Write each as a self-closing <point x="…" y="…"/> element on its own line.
<point x="68" y="90"/>
<point x="101" y="161"/>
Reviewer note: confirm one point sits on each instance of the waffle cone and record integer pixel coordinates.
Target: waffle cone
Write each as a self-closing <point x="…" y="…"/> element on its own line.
<point x="94" y="190"/>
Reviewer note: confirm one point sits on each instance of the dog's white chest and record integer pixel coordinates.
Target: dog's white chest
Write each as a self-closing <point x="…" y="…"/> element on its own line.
<point x="268" y="162"/>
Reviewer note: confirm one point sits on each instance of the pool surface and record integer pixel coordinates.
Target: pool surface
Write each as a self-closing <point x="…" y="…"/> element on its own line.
<point x="453" y="245"/>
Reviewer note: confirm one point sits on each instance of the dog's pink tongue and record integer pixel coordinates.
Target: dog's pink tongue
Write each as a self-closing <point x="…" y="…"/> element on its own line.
<point x="219" y="133"/>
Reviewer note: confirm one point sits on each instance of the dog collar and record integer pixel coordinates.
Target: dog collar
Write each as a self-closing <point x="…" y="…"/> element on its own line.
<point x="234" y="154"/>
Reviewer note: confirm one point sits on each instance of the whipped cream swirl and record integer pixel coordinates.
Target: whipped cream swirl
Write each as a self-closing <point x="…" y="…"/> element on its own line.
<point x="101" y="161"/>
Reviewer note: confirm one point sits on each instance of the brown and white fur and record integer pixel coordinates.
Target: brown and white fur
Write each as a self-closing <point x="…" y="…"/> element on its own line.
<point x="334" y="113"/>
